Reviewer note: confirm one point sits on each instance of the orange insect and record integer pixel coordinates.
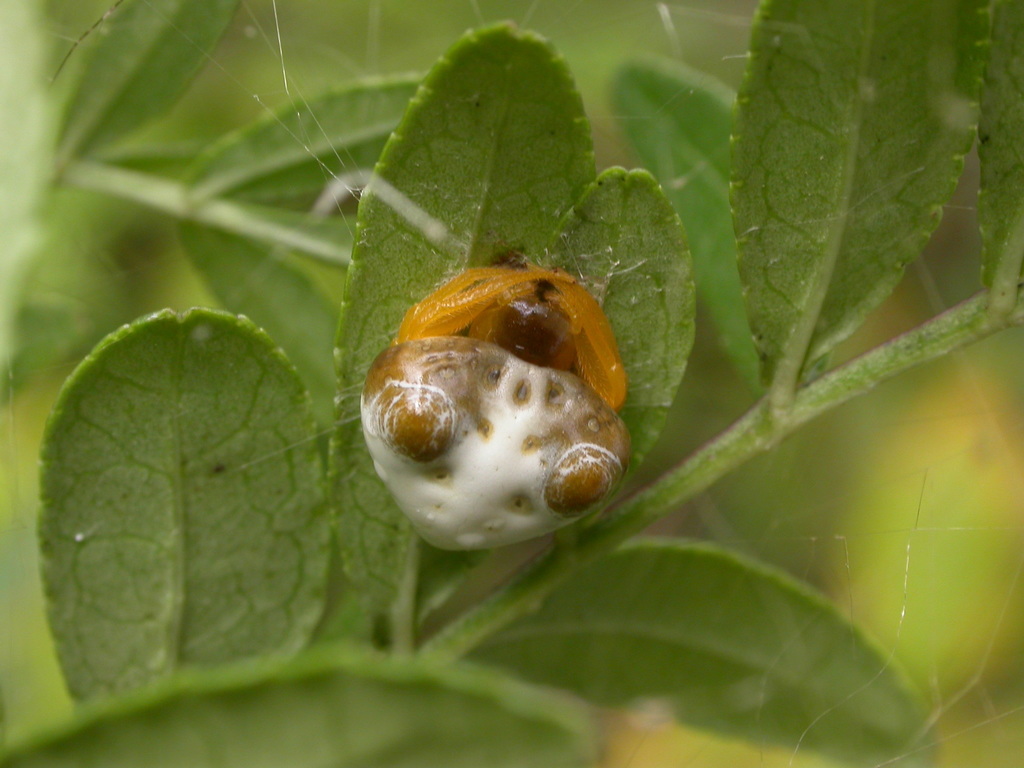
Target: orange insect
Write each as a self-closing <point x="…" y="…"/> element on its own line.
<point x="542" y="316"/>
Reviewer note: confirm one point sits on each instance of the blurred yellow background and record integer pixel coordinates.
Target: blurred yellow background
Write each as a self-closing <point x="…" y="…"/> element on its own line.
<point x="905" y="506"/>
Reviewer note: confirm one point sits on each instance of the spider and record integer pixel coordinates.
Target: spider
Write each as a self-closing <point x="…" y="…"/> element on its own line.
<point x="543" y="316"/>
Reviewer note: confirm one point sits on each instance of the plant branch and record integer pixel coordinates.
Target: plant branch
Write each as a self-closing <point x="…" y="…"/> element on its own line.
<point x="1003" y="292"/>
<point x="403" y="610"/>
<point x="268" y="225"/>
<point x="756" y="431"/>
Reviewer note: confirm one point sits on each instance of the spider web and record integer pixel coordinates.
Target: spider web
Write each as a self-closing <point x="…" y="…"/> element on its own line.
<point x="904" y="506"/>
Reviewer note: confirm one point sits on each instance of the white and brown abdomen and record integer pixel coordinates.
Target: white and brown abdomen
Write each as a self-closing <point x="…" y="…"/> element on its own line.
<point x="482" y="449"/>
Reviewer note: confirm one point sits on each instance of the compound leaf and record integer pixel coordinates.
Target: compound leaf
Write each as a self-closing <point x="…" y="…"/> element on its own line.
<point x="183" y="519"/>
<point x="851" y="128"/>
<point x="625" y="236"/>
<point x="678" y="122"/>
<point x="729" y="644"/>
<point x="1001" y="200"/>
<point x="323" y="708"/>
<point x="290" y="158"/>
<point x="138" y="63"/>
<point x="493" y="152"/>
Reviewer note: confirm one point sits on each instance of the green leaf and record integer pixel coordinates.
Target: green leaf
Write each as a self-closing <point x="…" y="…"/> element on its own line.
<point x="325" y="708"/>
<point x="678" y="122"/>
<point x="344" y="620"/>
<point x="1001" y="200"/>
<point x="327" y="239"/>
<point x="851" y="128"/>
<point x="25" y="124"/>
<point x="729" y="644"/>
<point x="625" y="235"/>
<point x="168" y="160"/>
<point x="183" y="520"/>
<point x="47" y="331"/>
<point x="290" y="157"/>
<point x="492" y="153"/>
<point x="138" y="64"/>
<point x="273" y="291"/>
<point x="441" y="574"/>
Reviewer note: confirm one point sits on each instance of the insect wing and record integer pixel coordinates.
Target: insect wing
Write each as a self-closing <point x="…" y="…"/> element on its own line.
<point x="457" y="303"/>
<point x="598" y="361"/>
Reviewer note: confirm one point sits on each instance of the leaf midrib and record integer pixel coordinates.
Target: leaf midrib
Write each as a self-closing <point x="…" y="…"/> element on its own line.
<point x="176" y="628"/>
<point x="615" y="632"/>
<point x="488" y="174"/>
<point x="772" y="670"/>
<point x="794" y="358"/>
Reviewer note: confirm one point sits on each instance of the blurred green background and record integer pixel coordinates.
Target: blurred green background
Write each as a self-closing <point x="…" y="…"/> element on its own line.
<point x="905" y="506"/>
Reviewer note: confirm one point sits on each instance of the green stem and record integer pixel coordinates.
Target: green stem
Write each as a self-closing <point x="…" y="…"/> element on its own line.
<point x="268" y="225"/>
<point x="756" y="431"/>
<point x="403" y="610"/>
<point x="1005" y="281"/>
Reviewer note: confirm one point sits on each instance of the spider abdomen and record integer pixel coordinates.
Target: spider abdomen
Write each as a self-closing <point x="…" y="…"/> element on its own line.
<point x="515" y="450"/>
